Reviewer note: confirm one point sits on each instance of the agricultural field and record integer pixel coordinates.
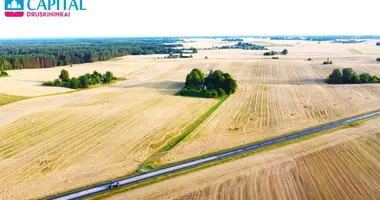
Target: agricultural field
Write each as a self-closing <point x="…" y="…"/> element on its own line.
<point x="339" y="165"/>
<point x="28" y="82"/>
<point x="277" y="97"/>
<point x="57" y="143"/>
<point x="60" y="142"/>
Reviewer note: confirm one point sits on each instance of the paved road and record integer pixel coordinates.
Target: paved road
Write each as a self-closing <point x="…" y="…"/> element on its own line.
<point x="190" y="164"/>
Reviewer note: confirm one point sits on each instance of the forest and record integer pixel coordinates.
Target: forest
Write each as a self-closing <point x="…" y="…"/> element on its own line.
<point x="45" y="54"/>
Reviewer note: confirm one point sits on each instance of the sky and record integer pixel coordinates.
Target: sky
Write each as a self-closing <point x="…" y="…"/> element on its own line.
<point x="142" y="18"/>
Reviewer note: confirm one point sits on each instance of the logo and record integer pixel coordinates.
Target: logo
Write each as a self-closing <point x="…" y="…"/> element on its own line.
<point x="14" y="8"/>
<point x="42" y="8"/>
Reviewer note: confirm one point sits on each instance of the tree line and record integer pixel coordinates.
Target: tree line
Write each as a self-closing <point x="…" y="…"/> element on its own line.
<point x="44" y="55"/>
<point x="233" y="40"/>
<point x="245" y="46"/>
<point x="215" y="84"/>
<point x="83" y="81"/>
<point x="349" y="76"/>
<point x="272" y="53"/>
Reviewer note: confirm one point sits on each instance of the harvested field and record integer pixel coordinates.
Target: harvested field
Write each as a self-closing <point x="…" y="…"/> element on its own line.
<point x="354" y="51"/>
<point x="273" y="99"/>
<point x="68" y="141"/>
<point x="28" y="82"/>
<point x="57" y="143"/>
<point x="340" y="165"/>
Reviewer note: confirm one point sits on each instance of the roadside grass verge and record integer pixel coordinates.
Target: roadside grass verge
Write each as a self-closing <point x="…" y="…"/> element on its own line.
<point x="225" y="160"/>
<point x="7" y="99"/>
<point x="148" y="164"/>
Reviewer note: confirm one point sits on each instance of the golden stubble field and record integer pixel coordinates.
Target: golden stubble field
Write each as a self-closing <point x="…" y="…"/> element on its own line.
<point x="56" y="143"/>
<point x="28" y="82"/>
<point x="279" y="96"/>
<point x="339" y="165"/>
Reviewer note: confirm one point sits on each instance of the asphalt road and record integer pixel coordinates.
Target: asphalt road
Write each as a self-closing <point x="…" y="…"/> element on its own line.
<point x="218" y="156"/>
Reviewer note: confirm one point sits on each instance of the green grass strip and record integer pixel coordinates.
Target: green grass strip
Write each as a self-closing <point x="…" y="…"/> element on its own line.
<point x="147" y="165"/>
<point x="7" y="99"/>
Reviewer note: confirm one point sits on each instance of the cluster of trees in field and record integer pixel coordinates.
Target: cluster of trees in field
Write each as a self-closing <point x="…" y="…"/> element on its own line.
<point x="3" y="73"/>
<point x="328" y="62"/>
<point x="43" y="55"/>
<point x="377" y="43"/>
<point x="349" y="76"/>
<point x="173" y="56"/>
<point x="348" y="41"/>
<point x="215" y="84"/>
<point x="245" y="46"/>
<point x="233" y="40"/>
<point x="83" y="81"/>
<point x="272" y="53"/>
<point x="286" y="38"/>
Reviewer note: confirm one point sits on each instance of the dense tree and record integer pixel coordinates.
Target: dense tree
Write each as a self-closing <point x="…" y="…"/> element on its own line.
<point x="74" y="83"/>
<point x="349" y="76"/>
<point x="216" y="84"/>
<point x="246" y="46"/>
<point x="195" y="78"/>
<point x="335" y="77"/>
<point x="270" y="53"/>
<point x="83" y="81"/>
<point x="64" y="76"/>
<point x="108" y="77"/>
<point x="44" y="54"/>
<point x="365" y="78"/>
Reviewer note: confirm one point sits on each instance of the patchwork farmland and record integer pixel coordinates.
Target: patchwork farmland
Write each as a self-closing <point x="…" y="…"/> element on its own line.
<point x="52" y="144"/>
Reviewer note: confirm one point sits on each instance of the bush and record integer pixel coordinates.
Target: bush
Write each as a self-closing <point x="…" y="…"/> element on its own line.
<point x="309" y="59"/>
<point x="285" y="52"/>
<point x="328" y="62"/>
<point x="221" y="92"/>
<point x="206" y="57"/>
<point x="74" y="83"/>
<point x="48" y="83"/>
<point x="378" y="59"/>
<point x="57" y="82"/>
<point x="3" y="74"/>
<point x="276" y="58"/>
<point x="378" y="44"/>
